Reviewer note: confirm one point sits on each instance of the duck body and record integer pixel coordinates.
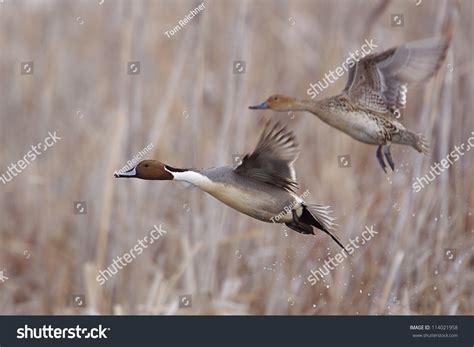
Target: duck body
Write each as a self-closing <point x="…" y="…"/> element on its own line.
<point x="254" y="198"/>
<point x="363" y="125"/>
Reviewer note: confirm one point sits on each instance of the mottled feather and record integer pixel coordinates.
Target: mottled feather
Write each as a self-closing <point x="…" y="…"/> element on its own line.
<point x="379" y="81"/>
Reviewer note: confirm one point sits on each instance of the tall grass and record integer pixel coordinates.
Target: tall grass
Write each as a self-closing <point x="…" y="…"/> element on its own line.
<point x="188" y="102"/>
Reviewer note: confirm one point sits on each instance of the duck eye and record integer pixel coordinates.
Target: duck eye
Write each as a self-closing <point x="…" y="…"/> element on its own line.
<point x="146" y="165"/>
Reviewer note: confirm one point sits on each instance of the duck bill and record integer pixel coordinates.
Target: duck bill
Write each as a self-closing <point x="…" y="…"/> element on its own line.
<point x="262" y="106"/>
<point x="127" y="174"/>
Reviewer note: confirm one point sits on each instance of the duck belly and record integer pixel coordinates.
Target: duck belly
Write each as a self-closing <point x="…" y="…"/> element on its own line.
<point x="260" y="205"/>
<point x="359" y="126"/>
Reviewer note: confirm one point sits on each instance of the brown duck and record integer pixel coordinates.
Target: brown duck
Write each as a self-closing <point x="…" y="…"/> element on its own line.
<point x="375" y="93"/>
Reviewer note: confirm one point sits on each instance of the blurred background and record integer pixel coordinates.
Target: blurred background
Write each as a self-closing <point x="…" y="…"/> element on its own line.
<point x="189" y="99"/>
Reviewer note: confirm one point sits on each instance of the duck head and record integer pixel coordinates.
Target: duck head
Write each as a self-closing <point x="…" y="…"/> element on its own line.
<point x="148" y="170"/>
<point x="278" y="102"/>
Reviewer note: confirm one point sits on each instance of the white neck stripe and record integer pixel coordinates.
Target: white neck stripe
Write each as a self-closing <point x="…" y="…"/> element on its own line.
<point x="190" y="176"/>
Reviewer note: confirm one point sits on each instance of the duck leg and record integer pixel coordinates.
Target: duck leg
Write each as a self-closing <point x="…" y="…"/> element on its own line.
<point x="380" y="158"/>
<point x="388" y="155"/>
<point x="299" y="226"/>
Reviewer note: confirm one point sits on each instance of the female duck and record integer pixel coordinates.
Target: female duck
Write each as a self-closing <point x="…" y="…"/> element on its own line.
<point x="262" y="186"/>
<point x="369" y="107"/>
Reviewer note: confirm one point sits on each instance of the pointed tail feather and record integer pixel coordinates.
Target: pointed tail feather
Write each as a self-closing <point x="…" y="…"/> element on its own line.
<point x="421" y="144"/>
<point x="417" y="141"/>
<point x="320" y="217"/>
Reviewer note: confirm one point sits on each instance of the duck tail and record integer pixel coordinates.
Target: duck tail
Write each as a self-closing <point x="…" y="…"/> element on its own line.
<point x="422" y="145"/>
<point x="315" y="216"/>
<point x="417" y="141"/>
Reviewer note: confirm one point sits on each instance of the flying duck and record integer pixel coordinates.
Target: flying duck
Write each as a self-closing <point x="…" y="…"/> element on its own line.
<point x="369" y="107"/>
<point x="262" y="186"/>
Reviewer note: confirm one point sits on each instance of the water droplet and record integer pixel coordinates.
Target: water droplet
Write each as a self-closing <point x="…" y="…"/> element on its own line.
<point x="291" y="301"/>
<point x="239" y="255"/>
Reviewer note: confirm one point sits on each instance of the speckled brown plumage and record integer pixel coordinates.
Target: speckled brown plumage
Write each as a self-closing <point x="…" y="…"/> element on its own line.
<point x="370" y="106"/>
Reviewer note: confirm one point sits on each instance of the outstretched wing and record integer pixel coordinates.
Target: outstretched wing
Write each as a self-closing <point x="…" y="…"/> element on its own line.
<point x="379" y="81"/>
<point x="273" y="157"/>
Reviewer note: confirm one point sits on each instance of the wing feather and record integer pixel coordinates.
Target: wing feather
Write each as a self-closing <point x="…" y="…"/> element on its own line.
<point x="379" y="81"/>
<point x="272" y="160"/>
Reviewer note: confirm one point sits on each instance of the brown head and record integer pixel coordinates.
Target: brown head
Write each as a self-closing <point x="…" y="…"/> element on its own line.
<point x="148" y="170"/>
<point x="278" y="102"/>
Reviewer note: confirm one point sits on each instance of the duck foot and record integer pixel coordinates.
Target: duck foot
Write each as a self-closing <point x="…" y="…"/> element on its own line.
<point x="380" y="158"/>
<point x="388" y="155"/>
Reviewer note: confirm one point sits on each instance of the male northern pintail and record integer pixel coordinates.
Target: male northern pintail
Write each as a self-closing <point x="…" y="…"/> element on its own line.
<point x="262" y="186"/>
<point x="370" y="105"/>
